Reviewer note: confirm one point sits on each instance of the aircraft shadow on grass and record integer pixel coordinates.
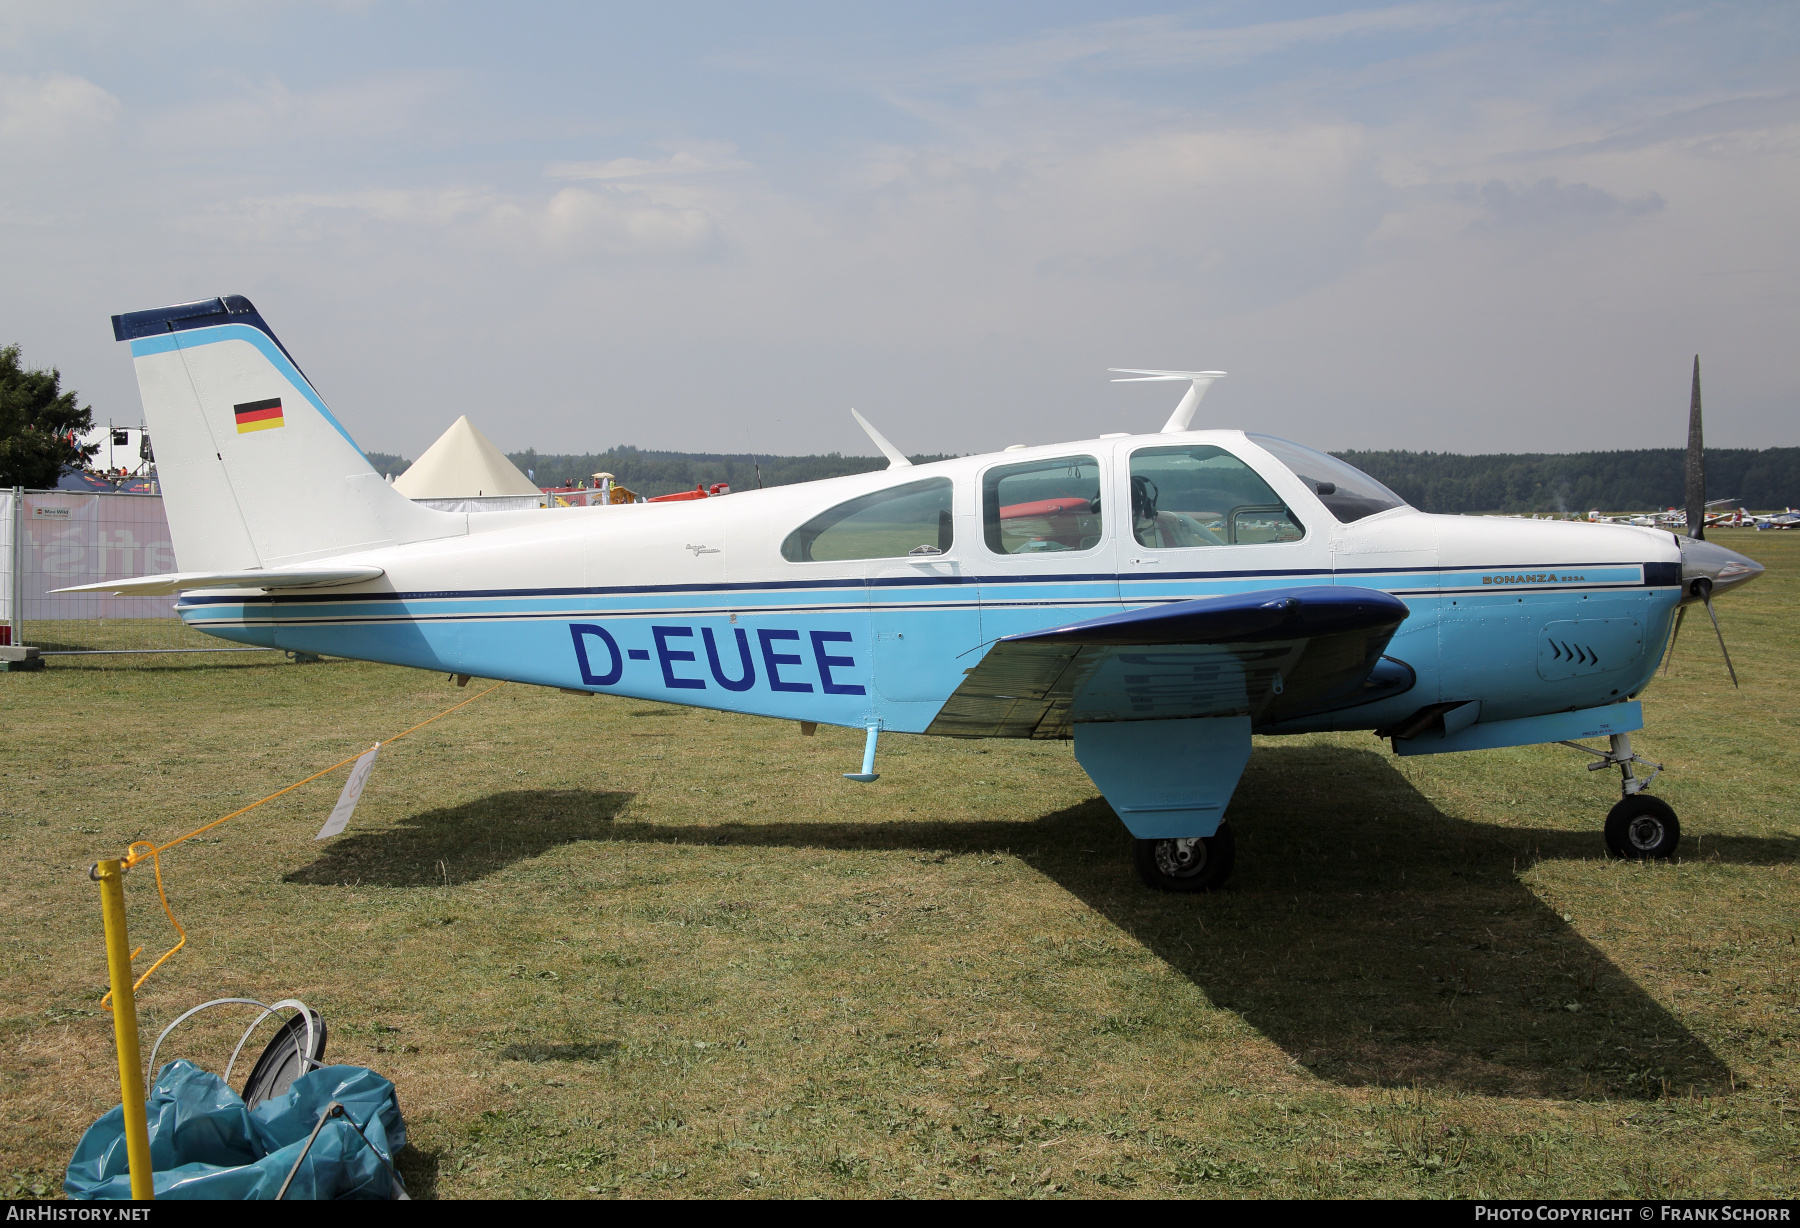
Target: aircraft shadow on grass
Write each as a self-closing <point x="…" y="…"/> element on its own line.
<point x="1376" y="940"/>
<point x="461" y="843"/>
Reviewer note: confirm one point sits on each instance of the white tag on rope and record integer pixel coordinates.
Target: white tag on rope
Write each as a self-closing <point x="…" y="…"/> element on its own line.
<point x="346" y="802"/>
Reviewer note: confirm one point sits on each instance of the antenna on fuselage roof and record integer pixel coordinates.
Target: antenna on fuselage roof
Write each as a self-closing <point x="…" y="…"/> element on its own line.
<point x="1200" y="381"/>
<point x="896" y="458"/>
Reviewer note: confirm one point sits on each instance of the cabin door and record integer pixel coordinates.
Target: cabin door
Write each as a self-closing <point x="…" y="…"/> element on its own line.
<point x="1045" y="544"/>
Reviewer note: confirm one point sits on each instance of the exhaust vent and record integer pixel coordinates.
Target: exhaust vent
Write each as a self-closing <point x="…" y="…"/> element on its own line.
<point x="1583" y="646"/>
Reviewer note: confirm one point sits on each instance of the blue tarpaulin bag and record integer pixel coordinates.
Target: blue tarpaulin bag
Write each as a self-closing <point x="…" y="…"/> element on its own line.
<point x="205" y="1143"/>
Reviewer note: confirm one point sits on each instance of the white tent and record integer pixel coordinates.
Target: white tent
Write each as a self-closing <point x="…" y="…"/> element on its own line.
<point x="462" y="464"/>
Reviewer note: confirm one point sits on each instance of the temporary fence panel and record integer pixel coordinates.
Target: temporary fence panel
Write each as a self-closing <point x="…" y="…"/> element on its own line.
<point x="9" y="572"/>
<point x="486" y="503"/>
<point x="61" y="538"/>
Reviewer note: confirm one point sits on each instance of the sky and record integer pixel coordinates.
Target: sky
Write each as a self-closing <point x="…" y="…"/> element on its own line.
<point x="1482" y="227"/>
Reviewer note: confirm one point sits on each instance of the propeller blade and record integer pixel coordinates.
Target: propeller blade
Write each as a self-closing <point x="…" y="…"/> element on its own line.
<point x="1674" y="635"/>
<point x="1721" y="635"/>
<point x="1696" y="465"/>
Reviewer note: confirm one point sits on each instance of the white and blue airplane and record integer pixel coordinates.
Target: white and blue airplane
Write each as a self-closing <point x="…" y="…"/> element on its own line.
<point x="1156" y="598"/>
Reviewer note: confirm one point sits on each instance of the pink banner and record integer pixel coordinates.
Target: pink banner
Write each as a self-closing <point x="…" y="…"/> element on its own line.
<point x="72" y="537"/>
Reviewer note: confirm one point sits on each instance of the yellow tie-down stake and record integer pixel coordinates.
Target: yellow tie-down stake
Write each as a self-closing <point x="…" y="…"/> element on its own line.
<point x="111" y="877"/>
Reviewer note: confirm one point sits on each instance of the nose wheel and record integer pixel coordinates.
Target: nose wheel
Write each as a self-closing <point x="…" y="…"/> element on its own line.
<point x="1640" y="827"/>
<point x="1199" y="863"/>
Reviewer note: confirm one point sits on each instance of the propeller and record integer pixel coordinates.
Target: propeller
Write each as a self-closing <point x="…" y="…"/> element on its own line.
<point x="1722" y="649"/>
<point x="1700" y="560"/>
<point x="1681" y="615"/>
<point x="1696" y="465"/>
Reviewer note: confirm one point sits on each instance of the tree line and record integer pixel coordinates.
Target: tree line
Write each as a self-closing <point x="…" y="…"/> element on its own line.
<point x="38" y="420"/>
<point x="652" y="473"/>
<point x="661" y="473"/>
<point x="1643" y="480"/>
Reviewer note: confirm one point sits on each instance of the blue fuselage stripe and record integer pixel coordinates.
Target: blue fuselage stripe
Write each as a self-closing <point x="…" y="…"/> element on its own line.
<point x="858" y="590"/>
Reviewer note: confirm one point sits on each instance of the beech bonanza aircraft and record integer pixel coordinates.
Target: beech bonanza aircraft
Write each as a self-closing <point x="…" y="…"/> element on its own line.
<point x="1155" y="598"/>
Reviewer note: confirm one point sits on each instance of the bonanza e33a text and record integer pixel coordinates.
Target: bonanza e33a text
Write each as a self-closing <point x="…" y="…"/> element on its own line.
<point x="1155" y="598"/>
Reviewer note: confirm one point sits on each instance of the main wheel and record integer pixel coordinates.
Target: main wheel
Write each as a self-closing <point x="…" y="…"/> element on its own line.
<point x="1642" y="827"/>
<point x="1199" y="864"/>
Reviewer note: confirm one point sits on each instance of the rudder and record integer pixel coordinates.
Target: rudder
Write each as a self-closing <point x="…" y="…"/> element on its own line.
<point x="254" y="469"/>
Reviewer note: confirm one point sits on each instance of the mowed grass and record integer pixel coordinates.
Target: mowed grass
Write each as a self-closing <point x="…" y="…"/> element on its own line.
<point x="611" y="948"/>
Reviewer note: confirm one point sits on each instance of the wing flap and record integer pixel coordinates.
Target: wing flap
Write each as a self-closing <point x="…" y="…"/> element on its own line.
<point x="1269" y="655"/>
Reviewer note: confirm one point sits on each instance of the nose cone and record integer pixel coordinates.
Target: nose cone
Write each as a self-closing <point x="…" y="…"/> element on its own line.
<point x="1709" y="568"/>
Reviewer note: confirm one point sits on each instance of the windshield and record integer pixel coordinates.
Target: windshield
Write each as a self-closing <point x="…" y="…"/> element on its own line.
<point x="1346" y="491"/>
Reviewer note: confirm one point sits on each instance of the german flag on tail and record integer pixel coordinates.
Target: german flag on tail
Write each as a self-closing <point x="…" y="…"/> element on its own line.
<point x="258" y="415"/>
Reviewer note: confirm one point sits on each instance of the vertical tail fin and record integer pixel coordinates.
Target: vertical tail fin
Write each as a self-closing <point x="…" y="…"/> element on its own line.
<point x="255" y="471"/>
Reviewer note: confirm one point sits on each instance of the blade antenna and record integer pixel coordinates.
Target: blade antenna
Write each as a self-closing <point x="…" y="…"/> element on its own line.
<point x="1198" y="383"/>
<point x="1696" y="466"/>
<point x="896" y="458"/>
<point x="1721" y="635"/>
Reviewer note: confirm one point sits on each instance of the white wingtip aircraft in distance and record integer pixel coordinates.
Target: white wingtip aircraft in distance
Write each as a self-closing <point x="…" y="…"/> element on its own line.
<point x="1156" y="598"/>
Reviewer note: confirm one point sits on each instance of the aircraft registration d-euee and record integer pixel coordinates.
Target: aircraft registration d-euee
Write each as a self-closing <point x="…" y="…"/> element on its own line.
<point x="1156" y="598"/>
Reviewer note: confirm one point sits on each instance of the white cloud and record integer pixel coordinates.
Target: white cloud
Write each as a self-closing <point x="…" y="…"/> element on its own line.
<point x="52" y="113"/>
<point x="710" y="160"/>
<point x="1165" y="42"/>
<point x="1364" y="242"/>
<point x="260" y="114"/>
<point x="578" y="220"/>
<point x="313" y="218"/>
<point x="471" y="221"/>
<point x="1550" y="202"/>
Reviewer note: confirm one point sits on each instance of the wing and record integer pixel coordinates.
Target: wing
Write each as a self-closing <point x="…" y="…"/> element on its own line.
<point x="1273" y="655"/>
<point x="181" y="581"/>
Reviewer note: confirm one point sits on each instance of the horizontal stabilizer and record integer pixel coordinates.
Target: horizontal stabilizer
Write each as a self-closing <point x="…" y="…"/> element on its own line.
<point x="1146" y="375"/>
<point x="182" y="581"/>
<point x="1199" y="382"/>
<point x="1272" y="655"/>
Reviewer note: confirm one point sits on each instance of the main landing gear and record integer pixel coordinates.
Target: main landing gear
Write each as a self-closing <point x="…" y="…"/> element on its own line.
<point x="1640" y="827"/>
<point x="1201" y="863"/>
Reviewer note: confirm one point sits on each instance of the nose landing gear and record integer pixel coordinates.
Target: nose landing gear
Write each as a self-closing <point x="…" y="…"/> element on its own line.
<point x="1640" y="827"/>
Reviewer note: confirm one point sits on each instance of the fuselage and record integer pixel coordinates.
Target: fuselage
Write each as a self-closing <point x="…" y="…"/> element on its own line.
<point x="743" y="603"/>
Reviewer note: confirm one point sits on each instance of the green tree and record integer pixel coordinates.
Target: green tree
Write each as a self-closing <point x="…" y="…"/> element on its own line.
<point x="38" y="424"/>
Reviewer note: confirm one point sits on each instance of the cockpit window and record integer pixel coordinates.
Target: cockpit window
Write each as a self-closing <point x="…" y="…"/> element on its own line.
<point x="1346" y="491"/>
<point x="1200" y="495"/>
<point x="892" y="523"/>
<point x="1042" y="506"/>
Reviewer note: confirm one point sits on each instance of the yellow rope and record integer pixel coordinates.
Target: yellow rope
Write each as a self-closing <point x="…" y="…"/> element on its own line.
<point x="154" y="851"/>
<point x="156" y="861"/>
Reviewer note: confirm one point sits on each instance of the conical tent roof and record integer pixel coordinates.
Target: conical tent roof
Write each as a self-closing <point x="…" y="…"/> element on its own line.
<point x="462" y="464"/>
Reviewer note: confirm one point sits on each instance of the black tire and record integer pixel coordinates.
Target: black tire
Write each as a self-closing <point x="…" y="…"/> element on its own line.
<point x="1184" y="865"/>
<point x="1641" y="828"/>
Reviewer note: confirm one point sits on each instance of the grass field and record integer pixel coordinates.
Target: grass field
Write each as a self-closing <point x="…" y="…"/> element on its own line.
<point x="610" y="948"/>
